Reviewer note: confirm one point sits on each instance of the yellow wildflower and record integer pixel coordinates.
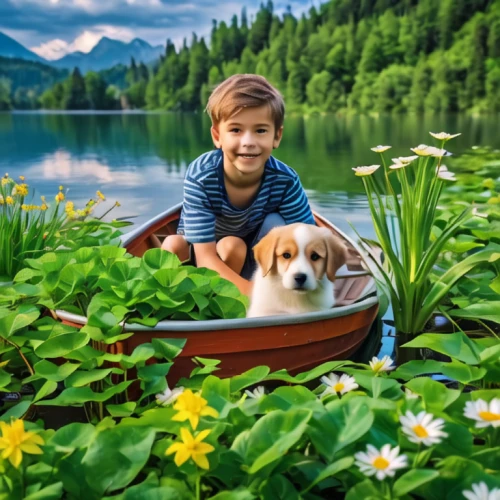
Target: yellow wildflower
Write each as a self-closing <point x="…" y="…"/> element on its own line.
<point x="117" y="204"/>
<point x="81" y="213"/>
<point x="21" y="189"/>
<point x="59" y="196"/>
<point x="61" y="188"/>
<point x="9" y="200"/>
<point x="22" y="178"/>
<point x="44" y="207"/>
<point x="70" y="207"/>
<point x="72" y="215"/>
<point x="191" y="407"/>
<point x="191" y="447"/>
<point x="24" y="207"/>
<point x="15" y="440"/>
<point x="2" y="201"/>
<point x="101" y="196"/>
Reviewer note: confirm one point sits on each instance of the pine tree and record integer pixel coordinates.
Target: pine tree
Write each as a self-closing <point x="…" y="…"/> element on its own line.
<point x="75" y="94"/>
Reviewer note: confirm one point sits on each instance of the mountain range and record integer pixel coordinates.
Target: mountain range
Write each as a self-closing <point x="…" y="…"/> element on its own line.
<point x="105" y="54"/>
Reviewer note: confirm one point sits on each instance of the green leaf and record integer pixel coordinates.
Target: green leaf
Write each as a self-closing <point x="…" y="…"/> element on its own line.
<point x="48" y="388"/>
<point x="331" y="470"/>
<point x="52" y="492"/>
<point x="456" y="345"/>
<point x="81" y="378"/>
<point x="250" y="377"/>
<point x="116" y="456"/>
<point x="156" y="258"/>
<point x="364" y="491"/>
<point x="489" y="311"/>
<point x="168" y="348"/>
<point x="271" y="437"/>
<point x="59" y="346"/>
<point x="412" y="480"/>
<point x="123" y="410"/>
<point x="435" y="395"/>
<point x="16" y="411"/>
<point x="72" y="436"/>
<point x="79" y="395"/>
<point x="304" y="377"/>
<point x="240" y="493"/>
<point x="24" y="316"/>
<point x="278" y="487"/>
<point x="50" y="371"/>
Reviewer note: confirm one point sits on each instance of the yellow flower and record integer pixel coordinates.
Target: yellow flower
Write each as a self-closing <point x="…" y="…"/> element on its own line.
<point x="2" y="201"/>
<point x="24" y="207"/>
<point x="21" y="189"/>
<point x="117" y="204"/>
<point x="9" y="200"/>
<point x="380" y="149"/>
<point x="44" y="207"/>
<point x="15" y="440"/>
<point x="362" y="171"/>
<point x="59" y="196"/>
<point x="6" y="180"/>
<point x="443" y="136"/>
<point x="61" y="188"/>
<point x="101" y="196"/>
<point x="191" y="407"/>
<point x="22" y="178"/>
<point x="191" y="447"/>
<point x="70" y="207"/>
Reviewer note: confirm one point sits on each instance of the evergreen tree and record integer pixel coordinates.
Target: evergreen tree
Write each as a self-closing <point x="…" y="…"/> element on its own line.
<point x="258" y="36"/>
<point x="96" y="91"/>
<point x="75" y="93"/>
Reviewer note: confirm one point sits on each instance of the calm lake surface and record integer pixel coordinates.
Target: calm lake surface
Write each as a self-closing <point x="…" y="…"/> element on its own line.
<point x="140" y="159"/>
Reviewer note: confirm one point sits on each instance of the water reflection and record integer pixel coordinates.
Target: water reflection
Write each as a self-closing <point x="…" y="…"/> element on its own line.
<point x="140" y="159"/>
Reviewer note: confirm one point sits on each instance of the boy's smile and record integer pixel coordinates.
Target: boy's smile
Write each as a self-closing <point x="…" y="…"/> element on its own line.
<point x="247" y="140"/>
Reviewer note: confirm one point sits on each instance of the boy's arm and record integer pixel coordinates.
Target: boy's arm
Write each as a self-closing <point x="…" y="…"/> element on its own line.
<point x="294" y="206"/>
<point x="206" y="256"/>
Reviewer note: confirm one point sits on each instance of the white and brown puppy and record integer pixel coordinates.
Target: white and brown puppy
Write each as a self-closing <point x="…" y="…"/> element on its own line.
<point x="296" y="266"/>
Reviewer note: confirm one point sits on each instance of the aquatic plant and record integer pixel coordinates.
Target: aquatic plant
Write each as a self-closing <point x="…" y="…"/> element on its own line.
<point x="412" y="232"/>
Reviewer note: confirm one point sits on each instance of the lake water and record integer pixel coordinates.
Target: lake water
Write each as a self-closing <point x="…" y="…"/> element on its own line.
<point x="140" y="159"/>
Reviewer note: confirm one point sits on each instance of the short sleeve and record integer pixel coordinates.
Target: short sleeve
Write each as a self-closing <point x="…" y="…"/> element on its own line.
<point x="197" y="213"/>
<point x="294" y="206"/>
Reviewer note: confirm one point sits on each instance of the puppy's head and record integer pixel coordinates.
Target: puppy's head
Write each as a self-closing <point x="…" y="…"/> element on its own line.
<point x="301" y="254"/>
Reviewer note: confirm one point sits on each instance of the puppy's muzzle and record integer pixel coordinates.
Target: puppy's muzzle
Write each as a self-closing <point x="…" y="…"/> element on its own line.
<point x="300" y="279"/>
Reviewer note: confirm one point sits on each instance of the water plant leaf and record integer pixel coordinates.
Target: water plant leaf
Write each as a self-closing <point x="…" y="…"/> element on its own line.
<point x="489" y="311"/>
<point x="168" y="348"/>
<point x="60" y="345"/>
<point x="12" y="322"/>
<point x="436" y="396"/>
<point x="156" y="258"/>
<point x="304" y="377"/>
<point x="248" y="378"/>
<point x="331" y="470"/>
<point x="129" y="447"/>
<point x="412" y="480"/>
<point x="72" y="436"/>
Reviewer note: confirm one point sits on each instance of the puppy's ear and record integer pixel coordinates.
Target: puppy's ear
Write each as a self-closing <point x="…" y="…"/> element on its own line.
<point x="337" y="255"/>
<point x="265" y="251"/>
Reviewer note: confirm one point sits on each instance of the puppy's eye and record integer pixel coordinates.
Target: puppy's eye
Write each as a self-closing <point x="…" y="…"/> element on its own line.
<point x="287" y="256"/>
<point x="315" y="256"/>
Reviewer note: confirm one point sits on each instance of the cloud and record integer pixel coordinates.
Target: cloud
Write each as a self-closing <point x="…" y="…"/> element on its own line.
<point x="44" y="24"/>
<point x="57" y="48"/>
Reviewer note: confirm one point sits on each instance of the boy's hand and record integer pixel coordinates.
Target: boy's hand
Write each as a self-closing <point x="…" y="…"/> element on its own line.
<point x="206" y="256"/>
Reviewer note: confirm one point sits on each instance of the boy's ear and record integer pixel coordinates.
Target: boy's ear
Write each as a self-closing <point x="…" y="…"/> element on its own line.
<point x="215" y="136"/>
<point x="277" y="137"/>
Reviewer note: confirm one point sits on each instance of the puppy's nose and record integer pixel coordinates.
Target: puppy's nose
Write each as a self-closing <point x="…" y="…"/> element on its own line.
<point x="300" y="278"/>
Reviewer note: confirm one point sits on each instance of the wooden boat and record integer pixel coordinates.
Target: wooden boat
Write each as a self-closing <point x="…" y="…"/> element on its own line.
<point x="294" y="342"/>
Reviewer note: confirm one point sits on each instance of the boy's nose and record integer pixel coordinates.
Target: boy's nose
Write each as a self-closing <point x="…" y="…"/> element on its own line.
<point x="248" y="140"/>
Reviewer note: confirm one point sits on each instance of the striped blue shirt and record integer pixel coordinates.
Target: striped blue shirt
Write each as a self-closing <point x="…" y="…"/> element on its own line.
<point x="207" y="214"/>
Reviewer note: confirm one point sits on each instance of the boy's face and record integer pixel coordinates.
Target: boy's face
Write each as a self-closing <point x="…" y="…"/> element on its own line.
<point x="247" y="140"/>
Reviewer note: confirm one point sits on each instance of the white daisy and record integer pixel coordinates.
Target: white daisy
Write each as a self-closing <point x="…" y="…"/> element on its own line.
<point x="257" y="393"/>
<point x="362" y="171"/>
<point x="422" y="428"/>
<point x="381" y="463"/>
<point x="480" y="492"/>
<point x="382" y="365"/>
<point x="443" y="136"/>
<point x="338" y="385"/>
<point x="485" y="414"/>
<point x="397" y="165"/>
<point x="168" y="396"/>
<point x="380" y="149"/>
<point x="437" y="153"/>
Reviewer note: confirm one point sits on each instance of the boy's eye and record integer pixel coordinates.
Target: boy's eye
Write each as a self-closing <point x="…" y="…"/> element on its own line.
<point x="235" y="130"/>
<point x="261" y="131"/>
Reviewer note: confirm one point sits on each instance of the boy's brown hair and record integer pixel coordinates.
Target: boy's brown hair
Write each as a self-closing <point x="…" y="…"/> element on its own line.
<point x="245" y="91"/>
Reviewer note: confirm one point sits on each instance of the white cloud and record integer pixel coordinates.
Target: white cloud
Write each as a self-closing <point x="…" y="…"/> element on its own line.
<point x="57" y="48"/>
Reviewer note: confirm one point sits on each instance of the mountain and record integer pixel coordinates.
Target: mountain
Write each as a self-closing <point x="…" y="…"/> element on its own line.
<point x="12" y="49"/>
<point x="108" y="53"/>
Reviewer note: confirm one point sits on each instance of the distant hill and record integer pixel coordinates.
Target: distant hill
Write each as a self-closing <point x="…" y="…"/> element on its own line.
<point x="10" y="48"/>
<point x="108" y="53"/>
<point x="30" y="74"/>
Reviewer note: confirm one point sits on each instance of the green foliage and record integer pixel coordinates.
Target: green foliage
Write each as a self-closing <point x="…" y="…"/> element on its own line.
<point x="292" y="442"/>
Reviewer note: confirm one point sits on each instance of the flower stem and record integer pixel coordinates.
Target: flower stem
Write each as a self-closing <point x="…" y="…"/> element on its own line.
<point x="198" y="481"/>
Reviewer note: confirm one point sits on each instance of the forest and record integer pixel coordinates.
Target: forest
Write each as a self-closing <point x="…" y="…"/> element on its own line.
<point x="345" y="56"/>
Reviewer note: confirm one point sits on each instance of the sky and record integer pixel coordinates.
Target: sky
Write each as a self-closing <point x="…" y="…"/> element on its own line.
<point x="53" y="28"/>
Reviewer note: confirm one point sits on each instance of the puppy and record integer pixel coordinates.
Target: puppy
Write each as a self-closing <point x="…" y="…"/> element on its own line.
<point x="296" y="267"/>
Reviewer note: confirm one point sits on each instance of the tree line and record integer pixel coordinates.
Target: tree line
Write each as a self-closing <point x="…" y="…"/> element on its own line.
<point x="346" y="55"/>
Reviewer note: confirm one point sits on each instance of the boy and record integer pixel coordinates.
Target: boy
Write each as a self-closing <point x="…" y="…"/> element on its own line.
<point x="234" y="195"/>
